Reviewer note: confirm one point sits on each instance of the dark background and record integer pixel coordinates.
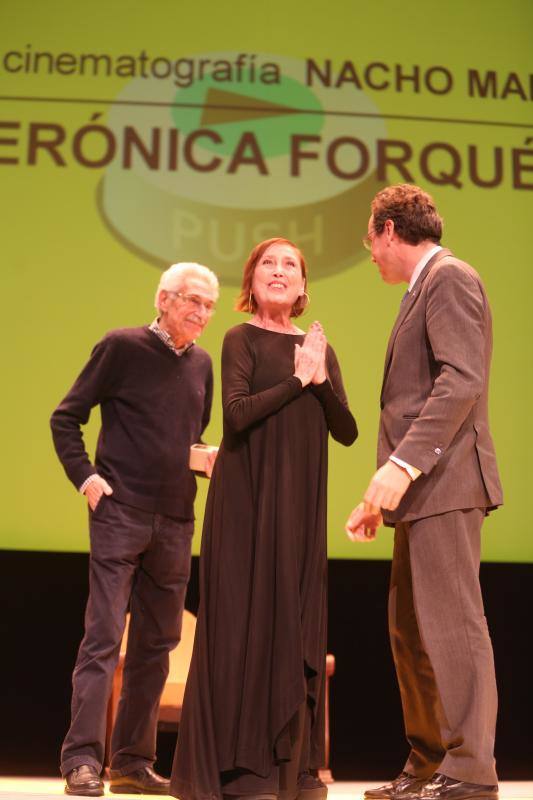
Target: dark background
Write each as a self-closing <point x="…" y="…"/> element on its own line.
<point x="42" y="600"/>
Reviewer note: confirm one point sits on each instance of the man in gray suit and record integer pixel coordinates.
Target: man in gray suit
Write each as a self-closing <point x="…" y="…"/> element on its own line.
<point x="437" y="479"/>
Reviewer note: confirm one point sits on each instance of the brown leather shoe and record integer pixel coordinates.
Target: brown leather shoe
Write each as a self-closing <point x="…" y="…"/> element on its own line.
<point x="141" y="781"/>
<point x="403" y="784"/>
<point x="441" y="787"/>
<point x="84" y="781"/>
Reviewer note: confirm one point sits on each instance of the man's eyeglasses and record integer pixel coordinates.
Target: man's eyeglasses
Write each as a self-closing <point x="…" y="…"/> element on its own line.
<point x="367" y="240"/>
<point x="196" y="302"/>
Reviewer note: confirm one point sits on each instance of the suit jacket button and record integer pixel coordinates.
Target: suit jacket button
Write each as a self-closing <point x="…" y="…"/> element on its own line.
<point x="438" y="451"/>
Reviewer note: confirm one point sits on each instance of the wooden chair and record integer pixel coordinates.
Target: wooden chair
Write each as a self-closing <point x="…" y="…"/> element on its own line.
<point x="324" y="773"/>
<point x="172" y="697"/>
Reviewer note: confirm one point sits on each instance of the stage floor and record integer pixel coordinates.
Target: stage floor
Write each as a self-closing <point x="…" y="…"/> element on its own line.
<point x="46" y="788"/>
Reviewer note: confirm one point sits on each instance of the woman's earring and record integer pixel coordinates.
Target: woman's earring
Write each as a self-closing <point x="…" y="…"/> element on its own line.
<point x="250" y="306"/>
<point x="307" y="299"/>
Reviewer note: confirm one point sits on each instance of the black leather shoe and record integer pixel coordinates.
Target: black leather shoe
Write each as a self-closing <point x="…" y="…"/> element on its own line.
<point x="141" y="781"/>
<point x="310" y="787"/>
<point x="84" y="781"/>
<point x="440" y="787"/>
<point x="403" y="784"/>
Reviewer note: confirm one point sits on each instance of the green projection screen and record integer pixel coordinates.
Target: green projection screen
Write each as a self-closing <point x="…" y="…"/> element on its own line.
<point x="134" y="135"/>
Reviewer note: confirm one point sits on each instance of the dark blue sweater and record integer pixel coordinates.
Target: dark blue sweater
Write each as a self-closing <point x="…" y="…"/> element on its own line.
<point x="154" y="405"/>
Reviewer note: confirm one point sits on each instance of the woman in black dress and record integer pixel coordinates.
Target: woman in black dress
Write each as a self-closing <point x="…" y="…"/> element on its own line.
<point x="252" y="721"/>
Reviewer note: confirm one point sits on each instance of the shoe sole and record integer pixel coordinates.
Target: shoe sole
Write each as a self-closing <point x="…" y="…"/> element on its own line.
<point x="478" y="796"/>
<point x="124" y="788"/>
<point x="377" y="795"/>
<point x="86" y="793"/>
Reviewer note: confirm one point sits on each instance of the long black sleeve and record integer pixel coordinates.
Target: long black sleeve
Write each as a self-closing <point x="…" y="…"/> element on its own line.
<point x="332" y="395"/>
<point x="241" y="408"/>
<point x="74" y="410"/>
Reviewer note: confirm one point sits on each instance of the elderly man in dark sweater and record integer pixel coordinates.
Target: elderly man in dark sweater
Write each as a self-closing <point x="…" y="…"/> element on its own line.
<point x="154" y="387"/>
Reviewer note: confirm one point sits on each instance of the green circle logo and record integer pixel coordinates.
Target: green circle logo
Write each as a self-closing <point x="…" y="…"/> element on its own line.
<point x="213" y="167"/>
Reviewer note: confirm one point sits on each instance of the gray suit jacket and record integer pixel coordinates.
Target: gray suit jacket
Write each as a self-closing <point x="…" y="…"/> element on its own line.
<point x="434" y="397"/>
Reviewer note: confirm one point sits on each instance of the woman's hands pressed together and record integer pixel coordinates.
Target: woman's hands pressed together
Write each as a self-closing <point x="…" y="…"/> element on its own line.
<point x="310" y="357"/>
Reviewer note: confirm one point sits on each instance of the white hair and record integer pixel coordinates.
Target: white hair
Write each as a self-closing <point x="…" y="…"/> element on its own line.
<point x="174" y="278"/>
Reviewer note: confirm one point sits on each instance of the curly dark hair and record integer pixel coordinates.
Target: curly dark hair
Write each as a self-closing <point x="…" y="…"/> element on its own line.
<point x="412" y="210"/>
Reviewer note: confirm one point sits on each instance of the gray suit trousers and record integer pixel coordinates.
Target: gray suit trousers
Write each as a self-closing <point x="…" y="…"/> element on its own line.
<point x="442" y="648"/>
